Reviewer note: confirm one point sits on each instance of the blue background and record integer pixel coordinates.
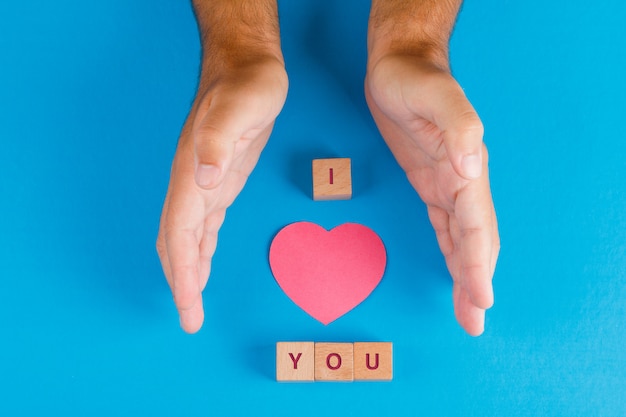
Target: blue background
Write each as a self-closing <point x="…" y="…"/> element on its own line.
<point x="92" y="98"/>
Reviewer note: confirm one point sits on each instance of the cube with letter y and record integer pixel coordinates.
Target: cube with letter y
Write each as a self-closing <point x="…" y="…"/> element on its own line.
<point x="295" y="361"/>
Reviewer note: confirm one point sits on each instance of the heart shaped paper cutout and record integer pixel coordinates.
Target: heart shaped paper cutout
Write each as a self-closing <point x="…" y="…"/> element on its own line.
<point x="327" y="273"/>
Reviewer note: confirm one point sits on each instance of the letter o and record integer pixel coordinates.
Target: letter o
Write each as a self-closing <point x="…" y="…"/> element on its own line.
<point x="335" y="355"/>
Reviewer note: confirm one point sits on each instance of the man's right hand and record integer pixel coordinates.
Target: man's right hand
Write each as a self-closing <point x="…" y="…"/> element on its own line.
<point x="242" y="89"/>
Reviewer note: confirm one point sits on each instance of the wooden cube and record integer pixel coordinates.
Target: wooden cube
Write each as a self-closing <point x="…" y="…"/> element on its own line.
<point x="332" y="179"/>
<point x="373" y="361"/>
<point x="334" y="362"/>
<point x="295" y="361"/>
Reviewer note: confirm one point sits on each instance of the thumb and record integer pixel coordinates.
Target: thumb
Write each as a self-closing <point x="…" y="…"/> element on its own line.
<point x="464" y="142"/>
<point x="215" y="134"/>
<point x="462" y="131"/>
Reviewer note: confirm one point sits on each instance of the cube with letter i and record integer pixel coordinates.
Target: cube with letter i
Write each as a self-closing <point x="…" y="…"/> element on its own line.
<point x="332" y="179"/>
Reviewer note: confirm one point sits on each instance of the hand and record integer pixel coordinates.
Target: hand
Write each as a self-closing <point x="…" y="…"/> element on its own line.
<point x="436" y="137"/>
<point x="221" y="141"/>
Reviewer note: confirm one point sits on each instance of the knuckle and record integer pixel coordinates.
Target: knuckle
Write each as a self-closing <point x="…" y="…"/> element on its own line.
<point x="468" y="125"/>
<point x="471" y="232"/>
<point x="496" y="246"/>
<point x="184" y="300"/>
<point x="161" y="247"/>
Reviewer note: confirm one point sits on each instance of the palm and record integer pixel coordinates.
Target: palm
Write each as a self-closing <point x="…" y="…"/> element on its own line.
<point x="228" y="126"/>
<point x="403" y="94"/>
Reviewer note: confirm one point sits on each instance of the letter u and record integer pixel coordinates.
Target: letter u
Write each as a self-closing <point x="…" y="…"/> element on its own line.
<point x="367" y="362"/>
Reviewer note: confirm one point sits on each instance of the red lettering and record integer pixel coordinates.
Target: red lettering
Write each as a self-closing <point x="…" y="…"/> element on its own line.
<point x="336" y="355"/>
<point x="367" y="362"/>
<point x="331" y="176"/>
<point x="296" y="359"/>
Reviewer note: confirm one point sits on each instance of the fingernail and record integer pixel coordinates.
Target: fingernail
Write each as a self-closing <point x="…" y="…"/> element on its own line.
<point x="472" y="166"/>
<point x="207" y="175"/>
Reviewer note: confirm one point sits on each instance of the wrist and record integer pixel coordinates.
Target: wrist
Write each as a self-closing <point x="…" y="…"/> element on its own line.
<point x="228" y="66"/>
<point x="231" y="51"/>
<point x="419" y="28"/>
<point x="424" y="51"/>
<point x="236" y="34"/>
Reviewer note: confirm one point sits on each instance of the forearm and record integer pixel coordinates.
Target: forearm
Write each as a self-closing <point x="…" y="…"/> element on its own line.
<point x="416" y="27"/>
<point x="235" y="33"/>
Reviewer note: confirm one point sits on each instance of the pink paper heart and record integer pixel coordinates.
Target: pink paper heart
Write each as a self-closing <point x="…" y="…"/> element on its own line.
<point x="327" y="273"/>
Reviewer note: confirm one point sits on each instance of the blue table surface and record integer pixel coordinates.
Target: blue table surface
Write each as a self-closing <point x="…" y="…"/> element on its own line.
<point x="92" y="98"/>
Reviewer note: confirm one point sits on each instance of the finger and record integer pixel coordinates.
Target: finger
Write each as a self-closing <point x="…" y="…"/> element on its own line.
<point x="219" y="125"/>
<point x="470" y="317"/>
<point x="441" y="100"/>
<point x="191" y="319"/>
<point x="473" y="212"/>
<point x="161" y="246"/>
<point x="495" y="248"/>
<point x="441" y="223"/>
<point x="446" y="231"/>
<point x="208" y="245"/>
<point x="214" y="145"/>
<point x="463" y="140"/>
<point x="454" y="264"/>
<point x="207" y="249"/>
<point x="183" y="253"/>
